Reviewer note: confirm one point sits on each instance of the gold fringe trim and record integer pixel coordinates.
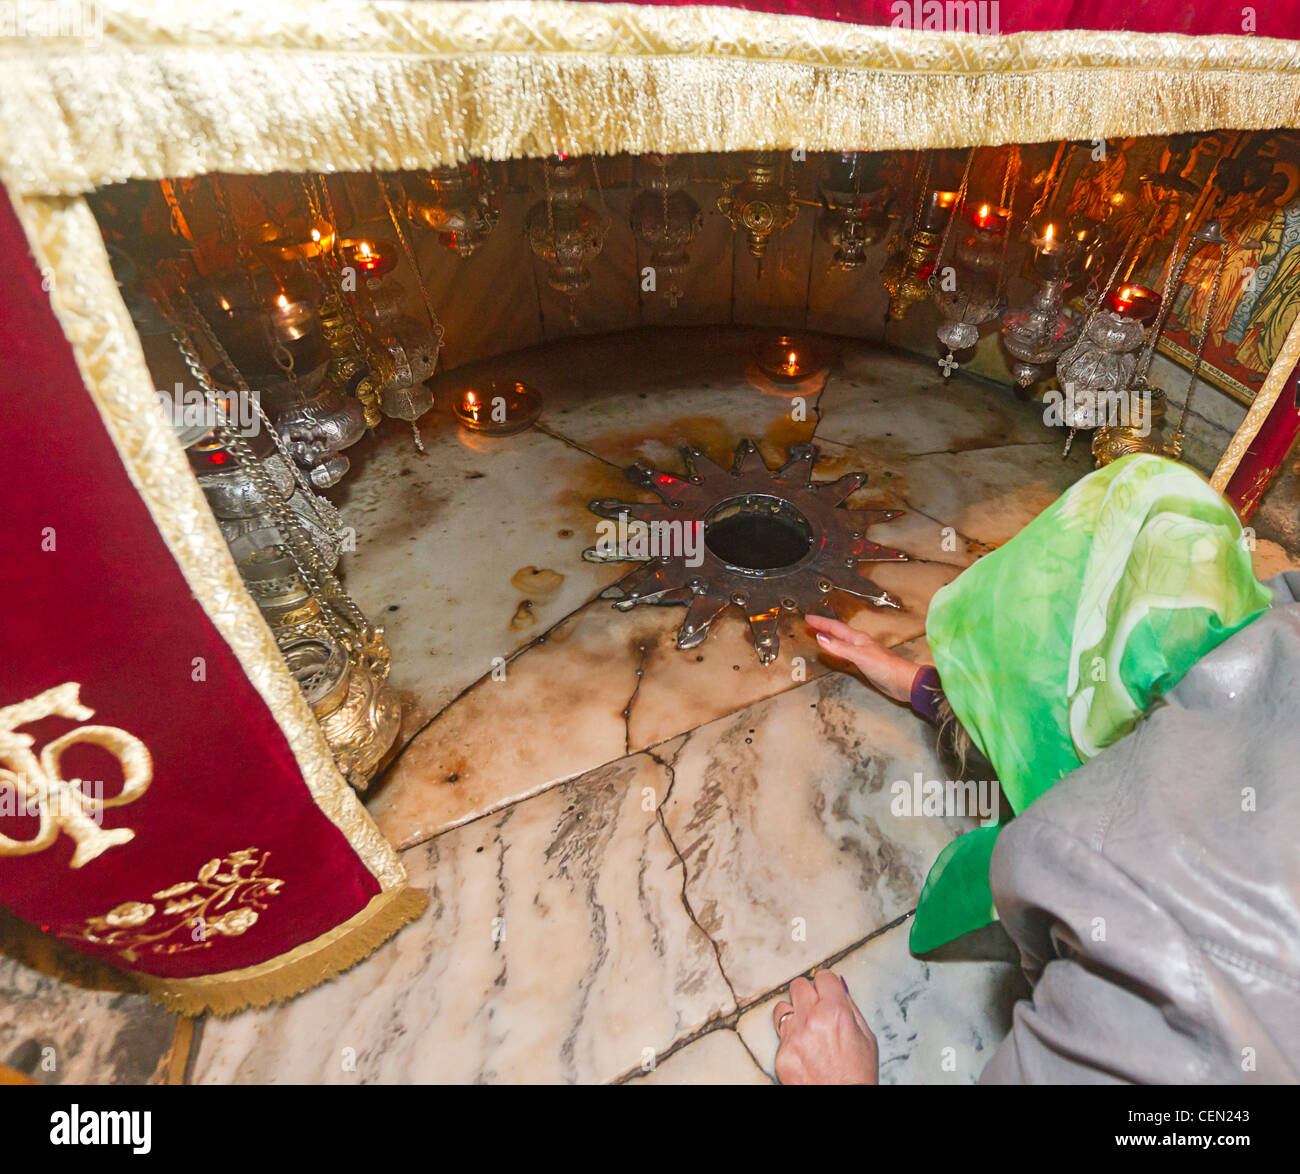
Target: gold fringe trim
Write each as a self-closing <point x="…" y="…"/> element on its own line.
<point x="296" y="971"/>
<point x="176" y="88"/>
<point x="85" y="298"/>
<point x="1260" y="407"/>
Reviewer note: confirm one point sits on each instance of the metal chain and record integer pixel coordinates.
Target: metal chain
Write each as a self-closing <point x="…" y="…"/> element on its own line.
<point x="1041" y="202"/>
<point x="1091" y="303"/>
<point x="410" y="260"/>
<point x="326" y="512"/>
<point x="331" y="267"/>
<point x="921" y="183"/>
<point x="1200" y="344"/>
<point x="319" y="579"/>
<point x="600" y="191"/>
<point x="958" y="205"/>
<point x="1010" y="177"/>
<point x="1171" y="282"/>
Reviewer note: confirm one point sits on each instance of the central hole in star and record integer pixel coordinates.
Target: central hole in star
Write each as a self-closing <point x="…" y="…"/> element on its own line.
<point x="757" y="532"/>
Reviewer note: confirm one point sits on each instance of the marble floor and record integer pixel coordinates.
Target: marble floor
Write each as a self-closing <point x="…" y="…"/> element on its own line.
<point x="631" y="850"/>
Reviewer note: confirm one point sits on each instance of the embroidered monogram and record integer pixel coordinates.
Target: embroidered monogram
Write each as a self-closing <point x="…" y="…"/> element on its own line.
<point x="64" y="805"/>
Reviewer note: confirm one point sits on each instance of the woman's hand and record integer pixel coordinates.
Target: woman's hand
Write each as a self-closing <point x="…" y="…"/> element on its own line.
<point x="887" y="671"/>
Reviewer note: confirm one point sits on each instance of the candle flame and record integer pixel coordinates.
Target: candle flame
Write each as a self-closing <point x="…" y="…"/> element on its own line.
<point x="315" y="234"/>
<point x="1051" y="232"/>
<point x="364" y="249"/>
<point x="984" y="211"/>
<point x="282" y="302"/>
<point x="225" y="305"/>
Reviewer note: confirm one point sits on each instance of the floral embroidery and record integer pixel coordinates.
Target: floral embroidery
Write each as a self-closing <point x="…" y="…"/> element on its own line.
<point x="223" y="902"/>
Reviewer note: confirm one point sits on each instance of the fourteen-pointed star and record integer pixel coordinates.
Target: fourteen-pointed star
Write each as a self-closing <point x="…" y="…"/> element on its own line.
<point x="763" y="540"/>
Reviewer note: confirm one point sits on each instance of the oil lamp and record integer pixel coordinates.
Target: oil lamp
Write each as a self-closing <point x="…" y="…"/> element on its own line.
<point x="303" y="242"/>
<point x="260" y="319"/>
<point x="665" y="219"/>
<point x="458" y="202"/>
<point x="1134" y="301"/>
<point x="855" y="210"/>
<point x="562" y="230"/>
<point x="981" y="250"/>
<point x="1051" y="253"/>
<point x="1098" y="367"/>
<point x="789" y="358"/>
<point x="502" y="408"/>
<point x="758" y="205"/>
<point x="938" y="211"/>
<point x="987" y="218"/>
<point x="408" y="347"/>
<point x="1036" y="334"/>
<point x="369" y="258"/>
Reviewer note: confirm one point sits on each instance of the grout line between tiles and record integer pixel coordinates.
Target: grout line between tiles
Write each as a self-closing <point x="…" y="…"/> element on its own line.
<point x="647" y="750"/>
<point x="671" y="768"/>
<point x="730" y="1020"/>
<point x="573" y="444"/>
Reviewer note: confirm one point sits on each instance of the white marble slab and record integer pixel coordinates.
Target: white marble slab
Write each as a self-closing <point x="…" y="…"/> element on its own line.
<point x="782" y="813"/>
<point x="718" y="1057"/>
<point x="557" y="948"/>
<point x="603" y="684"/>
<point x="468" y="551"/>
<point x="935" y="1021"/>
<point x="615" y="682"/>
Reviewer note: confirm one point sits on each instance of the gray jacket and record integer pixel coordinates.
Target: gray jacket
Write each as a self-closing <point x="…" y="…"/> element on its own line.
<point x="1154" y="893"/>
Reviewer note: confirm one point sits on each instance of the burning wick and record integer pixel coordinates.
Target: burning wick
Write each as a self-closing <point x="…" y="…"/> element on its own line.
<point x="990" y="218"/>
<point x="1136" y="301"/>
<point x="503" y="410"/>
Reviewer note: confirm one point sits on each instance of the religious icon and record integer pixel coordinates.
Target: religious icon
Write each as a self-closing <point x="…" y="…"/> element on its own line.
<point x="1260" y="285"/>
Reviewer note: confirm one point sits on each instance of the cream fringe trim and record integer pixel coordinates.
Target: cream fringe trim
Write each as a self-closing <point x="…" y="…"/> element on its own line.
<point x="296" y="971"/>
<point x="181" y="87"/>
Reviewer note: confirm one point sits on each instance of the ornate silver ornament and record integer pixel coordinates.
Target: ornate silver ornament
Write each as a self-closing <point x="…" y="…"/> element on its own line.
<point x="764" y="540"/>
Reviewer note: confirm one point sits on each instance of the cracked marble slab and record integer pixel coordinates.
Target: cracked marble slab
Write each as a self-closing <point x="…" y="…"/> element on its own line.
<point x="783" y="816"/>
<point x="936" y="1021"/>
<point x="900" y="404"/>
<point x="718" y="1057"/>
<point x="615" y="682"/>
<point x="604" y="683"/>
<point x="468" y="551"/>
<point x="557" y="948"/>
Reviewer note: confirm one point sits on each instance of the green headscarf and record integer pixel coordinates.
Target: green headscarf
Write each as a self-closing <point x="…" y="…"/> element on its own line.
<point x="1056" y="644"/>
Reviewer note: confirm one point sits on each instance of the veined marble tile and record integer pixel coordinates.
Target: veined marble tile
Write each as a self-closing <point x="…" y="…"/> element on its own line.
<point x="68" y="1019"/>
<point x="935" y="1021"/>
<point x="615" y="683"/>
<point x="557" y="948"/>
<point x="604" y="683"/>
<point x="782" y="813"/>
<point x="467" y="551"/>
<point x="991" y="494"/>
<point x="901" y="404"/>
<point x="718" y="1057"/>
<point x="640" y="395"/>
